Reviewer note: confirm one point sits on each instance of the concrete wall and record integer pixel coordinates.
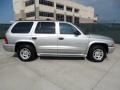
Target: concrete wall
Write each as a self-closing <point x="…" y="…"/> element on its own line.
<point x="86" y="20"/>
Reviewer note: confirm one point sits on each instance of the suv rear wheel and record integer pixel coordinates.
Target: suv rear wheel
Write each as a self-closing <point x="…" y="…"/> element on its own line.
<point x="26" y="53"/>
<point x="97" y="53"/>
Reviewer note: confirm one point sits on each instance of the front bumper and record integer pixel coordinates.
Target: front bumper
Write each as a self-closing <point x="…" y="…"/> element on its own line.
<point x="9" y="47"/>
<point x="111" y="49"/>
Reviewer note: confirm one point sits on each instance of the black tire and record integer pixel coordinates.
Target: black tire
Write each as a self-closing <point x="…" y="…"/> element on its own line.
<point x="91" y="53"/>
<point x="32" y="53"/>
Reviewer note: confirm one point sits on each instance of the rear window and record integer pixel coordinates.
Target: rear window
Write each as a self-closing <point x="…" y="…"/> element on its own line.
<point x="22" y="27"/>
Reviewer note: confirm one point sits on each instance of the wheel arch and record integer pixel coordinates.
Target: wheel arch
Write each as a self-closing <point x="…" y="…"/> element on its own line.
<point x="19" y="43"/>
<point x="98" y="43"/>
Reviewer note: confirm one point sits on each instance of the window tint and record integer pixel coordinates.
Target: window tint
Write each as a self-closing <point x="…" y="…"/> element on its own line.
<point x="66" y="29"/>
<point x="22" y="27"/>
<point x="45" y="28"/>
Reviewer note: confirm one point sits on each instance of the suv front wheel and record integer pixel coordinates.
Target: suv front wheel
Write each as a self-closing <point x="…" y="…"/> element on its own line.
<point x="26" y="53"/>
<point x="97" y="53"/>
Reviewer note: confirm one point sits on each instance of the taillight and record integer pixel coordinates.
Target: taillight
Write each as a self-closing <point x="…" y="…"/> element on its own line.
<point x="113" y="45"/>
<point x="5" y="40"/>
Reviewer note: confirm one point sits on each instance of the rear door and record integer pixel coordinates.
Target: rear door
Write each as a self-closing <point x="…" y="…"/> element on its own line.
<point x="45" y="38"/>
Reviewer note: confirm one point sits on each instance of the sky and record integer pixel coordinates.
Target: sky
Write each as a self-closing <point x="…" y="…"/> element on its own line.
<point x="6" y="11"/>
<point x="107" y="10"/>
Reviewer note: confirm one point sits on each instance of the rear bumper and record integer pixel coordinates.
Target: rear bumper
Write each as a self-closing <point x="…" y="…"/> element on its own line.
<point x="9" y="47"/>
<point x="111" y="49"/>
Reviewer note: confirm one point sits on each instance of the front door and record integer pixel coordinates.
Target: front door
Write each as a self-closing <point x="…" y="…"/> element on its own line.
<point x="68" y="42"/>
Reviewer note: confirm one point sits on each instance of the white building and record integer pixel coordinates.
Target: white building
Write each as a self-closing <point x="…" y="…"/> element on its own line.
<point x="62" y="10"/>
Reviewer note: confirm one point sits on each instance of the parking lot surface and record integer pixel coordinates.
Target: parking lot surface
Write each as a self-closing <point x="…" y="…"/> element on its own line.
<point x="48" y="73"/>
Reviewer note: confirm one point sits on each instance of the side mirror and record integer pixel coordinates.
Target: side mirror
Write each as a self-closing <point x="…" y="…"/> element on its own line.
<point x="77" y="33"/>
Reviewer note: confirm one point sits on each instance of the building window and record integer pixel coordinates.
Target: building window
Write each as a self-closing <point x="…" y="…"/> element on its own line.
<point x="69" y="9"/>
<point x="76" y="20"/>
<point x="95" y="21"/>
<point x="30" y="14"/>
<point x="30" y="2"/>
<point x="46" y="14"/>
<point x="76" y="10"/>
<point x="60" y="6"/>
<point x="46" y="2"/>
<point x="59" y="17"/>
<point x="69" y="18"/>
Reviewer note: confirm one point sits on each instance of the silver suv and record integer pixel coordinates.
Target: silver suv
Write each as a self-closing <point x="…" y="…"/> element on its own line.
<point x="30" y="39"/>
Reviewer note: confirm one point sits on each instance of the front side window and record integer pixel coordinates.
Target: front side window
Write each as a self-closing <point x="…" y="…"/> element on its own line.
<point x="22" y="27"/>
<point x="45" y="28"/>
<point x="67" y="28"/>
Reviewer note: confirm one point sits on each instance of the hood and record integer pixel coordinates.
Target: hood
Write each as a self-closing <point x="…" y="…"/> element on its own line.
<point x="99" y="37"/>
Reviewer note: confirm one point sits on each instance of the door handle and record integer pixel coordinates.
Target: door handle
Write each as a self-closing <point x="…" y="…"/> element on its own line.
<point x="61" y="38"/>
<point x="34" y="38"/>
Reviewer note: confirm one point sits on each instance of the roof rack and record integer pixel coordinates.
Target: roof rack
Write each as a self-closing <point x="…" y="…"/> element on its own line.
<point x="36" y="20"/>
<point x="49" y="20"/>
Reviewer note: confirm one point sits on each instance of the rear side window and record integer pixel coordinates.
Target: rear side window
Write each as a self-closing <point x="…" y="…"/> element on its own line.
<point x="22" y="27"/>
<point x="45" y="28"/>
